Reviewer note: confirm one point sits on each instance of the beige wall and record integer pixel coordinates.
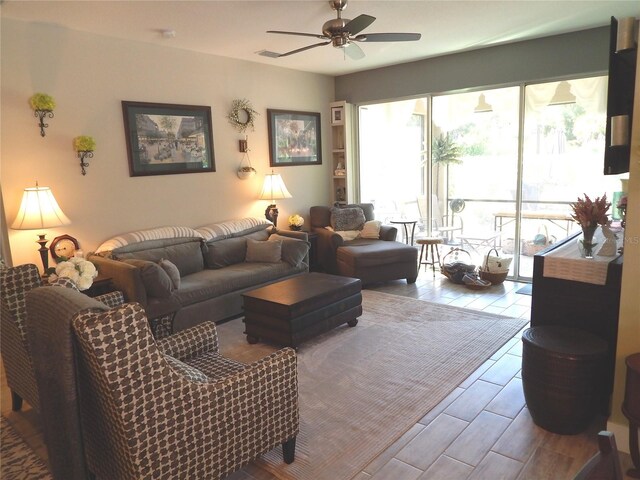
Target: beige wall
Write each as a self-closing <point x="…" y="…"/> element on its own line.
<point x="629" y="320"/>
<point x="89" y="75"/>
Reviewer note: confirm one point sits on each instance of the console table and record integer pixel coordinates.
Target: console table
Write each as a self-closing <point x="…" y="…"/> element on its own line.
<point x="587" y="306"/>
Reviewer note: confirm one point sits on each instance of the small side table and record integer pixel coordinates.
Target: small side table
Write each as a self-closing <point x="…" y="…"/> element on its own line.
<point x="405" y="223"/>
<point x="631" y="410"/>
<point x="101" y="285"/>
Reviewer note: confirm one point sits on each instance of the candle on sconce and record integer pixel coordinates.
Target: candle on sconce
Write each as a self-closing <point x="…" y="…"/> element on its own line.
<point x="625" y="38"/>
<point x="620" y="130"/>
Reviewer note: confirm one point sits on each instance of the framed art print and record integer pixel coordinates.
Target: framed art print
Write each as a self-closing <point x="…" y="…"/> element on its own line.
<point x="166" y="139"/>
<point x="294" y="138"/>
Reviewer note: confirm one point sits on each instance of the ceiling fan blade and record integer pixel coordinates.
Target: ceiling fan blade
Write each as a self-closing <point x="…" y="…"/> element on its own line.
<point x="387" y="37"/>
<point x="353" y="51"/>
<point x="303" y="49"/>
<point x="314" y="35"/>
<point x="359" y="23"/>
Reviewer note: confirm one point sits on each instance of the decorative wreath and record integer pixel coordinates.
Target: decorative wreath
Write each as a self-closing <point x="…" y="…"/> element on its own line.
<point x="237" y="107"/>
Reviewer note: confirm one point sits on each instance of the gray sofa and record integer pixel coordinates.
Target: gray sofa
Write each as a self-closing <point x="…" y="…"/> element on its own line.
<point x="183" y="276"/>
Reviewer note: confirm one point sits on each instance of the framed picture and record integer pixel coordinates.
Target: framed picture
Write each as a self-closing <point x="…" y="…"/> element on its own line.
<point x="337" y="116"/>
<point x="294" y="138"/>
<point x="165" y="139"/>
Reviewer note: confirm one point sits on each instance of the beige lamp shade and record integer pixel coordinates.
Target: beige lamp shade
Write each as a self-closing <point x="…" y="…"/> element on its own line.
<point x="39" y="210"/>
<point x="273" y="188"/>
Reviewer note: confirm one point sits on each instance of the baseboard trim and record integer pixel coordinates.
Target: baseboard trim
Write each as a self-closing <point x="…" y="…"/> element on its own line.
<point x="622" y="435"/>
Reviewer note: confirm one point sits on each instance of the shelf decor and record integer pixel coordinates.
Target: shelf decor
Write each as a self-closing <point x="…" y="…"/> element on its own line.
<point x="84" y="147"/>
<point x="42" y="105"/>
<point x="589" y="214"/>
<point x="166" y="139"/>
<point x="294" y="138"/>
<point x="242" y="115"/>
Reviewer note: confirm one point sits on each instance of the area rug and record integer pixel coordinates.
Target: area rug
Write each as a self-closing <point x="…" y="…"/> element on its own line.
<point x="18" y="461"/>
<point x="361" y="388"/>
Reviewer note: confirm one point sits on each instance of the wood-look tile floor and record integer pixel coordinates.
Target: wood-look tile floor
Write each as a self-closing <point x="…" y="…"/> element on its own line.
<point x="481" y="431"/>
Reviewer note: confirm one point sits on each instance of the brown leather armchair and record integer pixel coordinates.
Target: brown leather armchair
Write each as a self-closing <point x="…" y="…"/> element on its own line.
<point x="370" y="260"/>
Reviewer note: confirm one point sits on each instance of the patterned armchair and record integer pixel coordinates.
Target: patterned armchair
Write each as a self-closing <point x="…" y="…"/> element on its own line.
<point x="169" y="408"/>
<point x="15" y="283"/>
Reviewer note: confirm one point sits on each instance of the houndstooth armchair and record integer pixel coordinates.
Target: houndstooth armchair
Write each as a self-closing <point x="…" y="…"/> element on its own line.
<point x="172" y="408"/>
<point x="15" y="283"/>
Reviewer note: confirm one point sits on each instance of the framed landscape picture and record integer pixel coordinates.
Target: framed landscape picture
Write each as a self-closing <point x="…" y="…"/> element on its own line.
<point x="165" y="139"/>
<point x="294" y="138"/>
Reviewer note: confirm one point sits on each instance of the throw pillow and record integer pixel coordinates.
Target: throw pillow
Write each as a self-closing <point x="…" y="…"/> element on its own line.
<point x="155" y="279"/>
<point x="172" y="271"/>
<point x="191" y="373"/>
<point x="293" y="249"/>
<point x="350" y="218"/>
<point x="371" y="229"/>
<point x="263" y="252"/>
<point x="226" y="252"/>
<point x="348" y="234"/>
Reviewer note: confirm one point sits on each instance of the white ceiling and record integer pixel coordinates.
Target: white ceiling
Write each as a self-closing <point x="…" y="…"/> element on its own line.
<point x="237" y="29"/>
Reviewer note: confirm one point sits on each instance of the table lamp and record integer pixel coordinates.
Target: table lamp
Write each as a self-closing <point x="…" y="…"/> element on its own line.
<point x="39" y="210"/>
<point x="273" y="189"/>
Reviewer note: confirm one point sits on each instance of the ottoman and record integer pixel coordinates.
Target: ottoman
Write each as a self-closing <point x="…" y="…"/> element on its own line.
<point x="562" y="376"/>
<point x="299" y="308"/>
<point x="376" y="261"/>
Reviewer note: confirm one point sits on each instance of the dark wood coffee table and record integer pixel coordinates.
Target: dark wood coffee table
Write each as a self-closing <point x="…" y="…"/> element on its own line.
<point x="299" y="308"/>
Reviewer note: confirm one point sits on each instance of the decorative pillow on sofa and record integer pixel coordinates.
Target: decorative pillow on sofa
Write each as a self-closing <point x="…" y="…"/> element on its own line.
<point x="371" y="229"/>
<point x="155" y="279"/>
<point x="263" y="252"/>
<point x="293" y="249"/>
<point x="229" y="251"/>
<point x="350" y="218"/>
<point x="172" y="271"/>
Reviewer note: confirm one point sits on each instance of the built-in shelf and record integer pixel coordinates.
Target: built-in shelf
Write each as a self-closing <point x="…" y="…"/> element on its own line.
<point x="343" y="186"/>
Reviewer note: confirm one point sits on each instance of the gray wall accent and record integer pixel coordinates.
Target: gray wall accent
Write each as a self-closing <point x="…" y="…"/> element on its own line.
<point x="583" y="52"/>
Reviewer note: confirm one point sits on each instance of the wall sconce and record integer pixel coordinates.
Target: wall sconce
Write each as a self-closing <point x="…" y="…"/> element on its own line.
<point x="43" y="106"/>
<point x="245" y="171"/>
<point x="273" y="189"/>
<point x="39" y="210"/>
<point x="84" y="146"/>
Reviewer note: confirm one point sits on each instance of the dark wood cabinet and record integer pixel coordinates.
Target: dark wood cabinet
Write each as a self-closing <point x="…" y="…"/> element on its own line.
<point x="589" y="307"/>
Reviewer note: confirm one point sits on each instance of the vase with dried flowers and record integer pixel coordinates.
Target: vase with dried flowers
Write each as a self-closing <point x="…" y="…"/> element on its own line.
<point x="589" y="214"/>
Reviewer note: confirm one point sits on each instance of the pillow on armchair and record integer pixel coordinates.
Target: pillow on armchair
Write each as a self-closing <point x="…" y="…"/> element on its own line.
<point x="350" y="218"/>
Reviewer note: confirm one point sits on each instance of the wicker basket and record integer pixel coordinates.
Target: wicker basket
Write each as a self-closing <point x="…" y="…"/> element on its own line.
<point x="485" y="274"/>
<point x="456" y="276"/>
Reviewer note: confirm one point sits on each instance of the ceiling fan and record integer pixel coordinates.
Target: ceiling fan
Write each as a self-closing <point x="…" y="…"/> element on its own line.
<point x="343" y="33"/>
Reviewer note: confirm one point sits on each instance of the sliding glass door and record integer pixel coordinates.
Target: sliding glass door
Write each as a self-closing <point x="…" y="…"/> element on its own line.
<point x="495" y="168"/>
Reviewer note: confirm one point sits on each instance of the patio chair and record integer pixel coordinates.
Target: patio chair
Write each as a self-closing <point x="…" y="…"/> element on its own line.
<point x="443" y="226"/>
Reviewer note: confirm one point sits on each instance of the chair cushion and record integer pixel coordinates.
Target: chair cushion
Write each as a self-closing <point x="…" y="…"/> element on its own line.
<point x="188" y="371"/>
<point x="347" y="218"/>
<point x="371" y="253"/>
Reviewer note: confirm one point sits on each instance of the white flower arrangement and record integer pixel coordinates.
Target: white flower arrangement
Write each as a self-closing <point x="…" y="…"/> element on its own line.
<point x="296" y="221"/>
<point x="81" y="271"/>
